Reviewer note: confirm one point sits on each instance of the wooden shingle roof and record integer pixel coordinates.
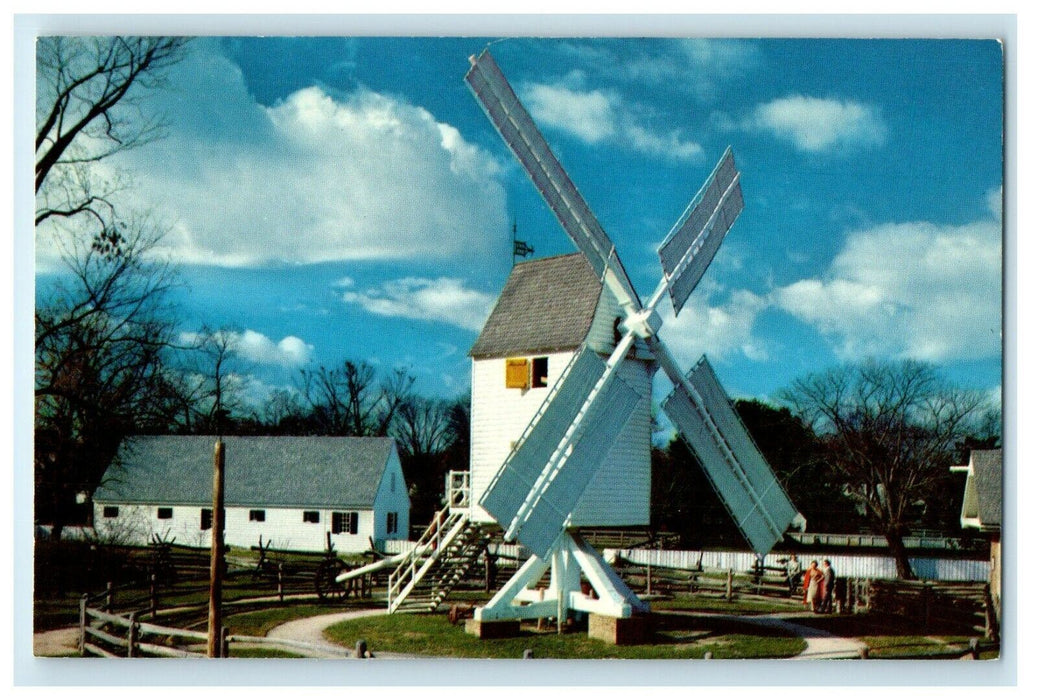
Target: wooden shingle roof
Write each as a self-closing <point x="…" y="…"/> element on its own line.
<point x="547" y="305"/>
<point x="987" y="478"/>
<point x="259" y="471"/>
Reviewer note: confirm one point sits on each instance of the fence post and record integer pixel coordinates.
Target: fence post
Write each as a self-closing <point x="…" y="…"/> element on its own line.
<point x="109" y="597"/>
<point x="648" y="579"/>
<point x="728" y="586"/>
<point x="82" y="624"/>
<point x="131" y="636"/>
<point x="154" y="596"/>
<point x="974" y="648"/>
<point x="927" y="596"/>
<point x="990" y="616"/>
<point x="225" y="643"/>
<point x="281" y="581"/>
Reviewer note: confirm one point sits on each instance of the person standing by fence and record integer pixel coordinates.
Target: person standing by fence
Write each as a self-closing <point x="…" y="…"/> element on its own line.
<point x="793" y="571"/>
<point x="828" y="586"/>
<point x="813" y="586"/>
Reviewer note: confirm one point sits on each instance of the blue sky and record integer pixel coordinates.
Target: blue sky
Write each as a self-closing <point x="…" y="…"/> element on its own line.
<point x="343" y="198"/>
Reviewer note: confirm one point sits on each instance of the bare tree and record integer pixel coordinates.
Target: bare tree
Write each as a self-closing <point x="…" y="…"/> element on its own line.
<point x="216" y="377"/>
<point x="889" y="429"/>
<point x="283" y="412"/>
<point x="346" y="400"/>
<point x="90" y="105"/>
<point x="102" y="336"/>
<point x="105" y="327"/>
<point x="423" y="426"/>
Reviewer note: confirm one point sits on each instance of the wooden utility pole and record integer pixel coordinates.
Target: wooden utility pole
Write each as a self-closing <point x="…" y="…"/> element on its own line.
<point x="214" y="647"/>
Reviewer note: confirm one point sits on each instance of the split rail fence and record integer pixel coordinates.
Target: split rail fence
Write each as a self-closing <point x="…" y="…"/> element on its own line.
<point x="172" y="586"/>
<point x="951" y="608"/>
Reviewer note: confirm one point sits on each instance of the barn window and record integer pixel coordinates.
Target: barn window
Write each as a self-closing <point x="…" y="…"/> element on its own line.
<point x="165" y="513"/>
<point x="111" y="511"/>
<point x="392" y="483"/>
<point x="539" y="376"/>
<point x="311" y="516"/>
<point x="391" y="523"/>
<point x="344" y="522"/>
<point x="207" y="519"/>
<point x="257" y="516"/>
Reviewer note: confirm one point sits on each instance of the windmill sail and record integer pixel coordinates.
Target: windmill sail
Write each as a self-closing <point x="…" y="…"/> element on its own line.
<point x="515" y="126"/>
<point x="527" y="495"/>
<point x="736" y="468"/>
<point x="693" y="241"/>
<point x="547" y="517"/>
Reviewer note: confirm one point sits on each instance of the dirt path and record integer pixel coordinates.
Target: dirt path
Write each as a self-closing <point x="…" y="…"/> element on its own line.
<point x="820" y="644"/>
<point x="311" y="630"/>
<point x="63" y="642"/>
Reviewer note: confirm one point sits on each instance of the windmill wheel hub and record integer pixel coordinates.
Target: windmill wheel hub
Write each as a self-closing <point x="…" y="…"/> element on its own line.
<point x="644" y="324"/>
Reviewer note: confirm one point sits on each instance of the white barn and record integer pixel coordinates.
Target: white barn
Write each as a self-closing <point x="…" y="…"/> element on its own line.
<point x="548" y="309"/>
<point x="289" y="491"/>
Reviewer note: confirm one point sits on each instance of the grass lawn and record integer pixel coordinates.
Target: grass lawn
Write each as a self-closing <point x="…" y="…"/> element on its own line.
<point x="914" y="647"/>
<point x="247" y="653"/>
<point x="675" y="637"/>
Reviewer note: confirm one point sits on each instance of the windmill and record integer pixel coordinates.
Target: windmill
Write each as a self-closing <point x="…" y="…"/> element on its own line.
<point x="585" y="435"/>
<point x="542" y="480"/>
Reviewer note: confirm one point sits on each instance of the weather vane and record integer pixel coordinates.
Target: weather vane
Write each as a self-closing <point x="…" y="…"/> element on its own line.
<point x="519" y="248"/>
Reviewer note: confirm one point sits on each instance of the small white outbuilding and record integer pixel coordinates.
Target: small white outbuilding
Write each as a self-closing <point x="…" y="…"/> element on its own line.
<point x="548" y="310"/>
<point x="290" y="492"/>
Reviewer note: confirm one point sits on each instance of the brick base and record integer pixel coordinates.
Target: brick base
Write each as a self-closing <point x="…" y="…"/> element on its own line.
<point x="492" y="629"/>
<point x="618" y="630"/>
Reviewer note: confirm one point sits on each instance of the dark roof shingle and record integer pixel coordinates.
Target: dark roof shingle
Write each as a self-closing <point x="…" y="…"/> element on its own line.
<point x="258" y="471"/>
<point x="547" y="305"/>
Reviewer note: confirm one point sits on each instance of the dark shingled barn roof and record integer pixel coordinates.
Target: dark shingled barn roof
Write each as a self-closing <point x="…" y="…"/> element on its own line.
<point x="547" y="305"/>
<point x="258" y="471"/>
<point x="987" y="475"/>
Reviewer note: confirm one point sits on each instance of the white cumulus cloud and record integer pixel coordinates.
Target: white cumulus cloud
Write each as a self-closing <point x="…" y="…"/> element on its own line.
<point x="597" y="116"/>
<point x="289" y="351"/>
<point x="717" y="331"/>
<point x="316" y="177"/>
<point x="590" y="116"/>
<point x="256" y="347"/>
<point x="917" y="290"/>
<point x="442" y="300"/>
<point x="815" y="124"/>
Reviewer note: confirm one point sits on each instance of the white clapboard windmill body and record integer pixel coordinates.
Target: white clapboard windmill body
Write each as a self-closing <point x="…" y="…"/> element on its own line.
<point x="564" y="441"/>
<point x="541" y="483"/>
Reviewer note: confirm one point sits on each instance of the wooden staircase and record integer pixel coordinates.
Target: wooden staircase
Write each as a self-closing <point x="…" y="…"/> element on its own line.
<point x="443" y="556"/>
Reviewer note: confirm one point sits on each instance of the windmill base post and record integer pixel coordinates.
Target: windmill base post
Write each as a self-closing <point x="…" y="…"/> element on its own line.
<point x="609" y="597"/>
<point x="618" y="630"/>
<point x="492" y="629"/>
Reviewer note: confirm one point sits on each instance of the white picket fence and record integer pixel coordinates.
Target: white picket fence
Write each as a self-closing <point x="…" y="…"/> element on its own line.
<point x="874" y="566"/>
<point x="848" y="566"/>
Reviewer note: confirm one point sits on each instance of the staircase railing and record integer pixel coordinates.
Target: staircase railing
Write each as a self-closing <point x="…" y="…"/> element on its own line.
<point x="433" y="542"/>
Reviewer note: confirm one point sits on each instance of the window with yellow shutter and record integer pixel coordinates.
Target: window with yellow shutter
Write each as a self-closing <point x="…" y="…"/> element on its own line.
<point x="517" y="373"/>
